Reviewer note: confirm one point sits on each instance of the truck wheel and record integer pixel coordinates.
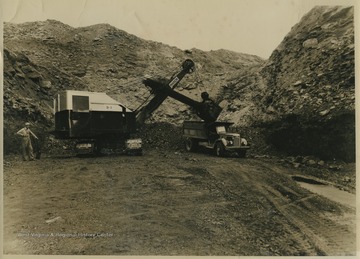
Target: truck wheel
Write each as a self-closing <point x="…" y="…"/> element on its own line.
<point x="191" y="145"/>
<point x="219" y="149"/>
<point x="242" y="153"/>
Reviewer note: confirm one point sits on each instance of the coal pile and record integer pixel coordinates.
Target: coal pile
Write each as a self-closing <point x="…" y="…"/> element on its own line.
<point x="162" y="136"/>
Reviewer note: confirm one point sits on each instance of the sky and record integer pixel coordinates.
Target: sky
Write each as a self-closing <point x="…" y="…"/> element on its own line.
<point x="248" y="26"/>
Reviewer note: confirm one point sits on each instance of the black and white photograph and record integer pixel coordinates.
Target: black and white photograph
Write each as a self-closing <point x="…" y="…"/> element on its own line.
<point x="178" y="128"/>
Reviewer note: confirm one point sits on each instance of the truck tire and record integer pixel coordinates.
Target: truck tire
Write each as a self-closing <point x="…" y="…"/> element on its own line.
<point x="219" y="149"/>
<point x="191" y="145"/>
<point x="241" y="153"/>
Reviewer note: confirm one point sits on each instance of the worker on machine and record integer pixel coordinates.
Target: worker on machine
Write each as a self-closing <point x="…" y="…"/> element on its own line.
<point x="208" y="104"/>
<point x="206" y="99"/>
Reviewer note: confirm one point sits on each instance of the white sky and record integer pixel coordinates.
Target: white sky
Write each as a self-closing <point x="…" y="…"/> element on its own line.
<point x="247" y="26"/>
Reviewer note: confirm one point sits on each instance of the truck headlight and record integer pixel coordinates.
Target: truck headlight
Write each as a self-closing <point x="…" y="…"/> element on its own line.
<point x="230" y="141"/>
<point x="244" y="142"/>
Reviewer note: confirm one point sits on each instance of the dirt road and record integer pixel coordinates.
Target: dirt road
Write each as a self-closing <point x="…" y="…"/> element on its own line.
<point x="168" y="204"/>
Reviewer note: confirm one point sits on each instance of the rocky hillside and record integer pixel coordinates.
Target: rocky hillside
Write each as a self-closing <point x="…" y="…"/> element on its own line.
<point x="310" y="80"/>
<point x="300" y="101"/>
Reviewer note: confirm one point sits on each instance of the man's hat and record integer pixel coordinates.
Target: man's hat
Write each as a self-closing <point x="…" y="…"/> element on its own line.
<point x="204" y="95"/>
<point x="27" y="124"/>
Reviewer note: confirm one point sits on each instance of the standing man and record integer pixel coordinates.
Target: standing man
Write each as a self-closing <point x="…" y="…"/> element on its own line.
<point x="27" y="150"/>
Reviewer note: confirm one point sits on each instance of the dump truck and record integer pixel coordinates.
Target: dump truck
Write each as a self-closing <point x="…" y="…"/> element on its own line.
<point x="214" y="136"/>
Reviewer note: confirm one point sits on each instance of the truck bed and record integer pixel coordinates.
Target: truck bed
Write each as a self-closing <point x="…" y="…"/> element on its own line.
<point x="195" y="129"/>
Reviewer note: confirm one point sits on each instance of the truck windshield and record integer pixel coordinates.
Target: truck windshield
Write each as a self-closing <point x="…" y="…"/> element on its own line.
<point x="220" y="129"/>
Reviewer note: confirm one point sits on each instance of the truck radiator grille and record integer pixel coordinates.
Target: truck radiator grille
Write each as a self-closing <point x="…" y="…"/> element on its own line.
<point x="236" y="141"/>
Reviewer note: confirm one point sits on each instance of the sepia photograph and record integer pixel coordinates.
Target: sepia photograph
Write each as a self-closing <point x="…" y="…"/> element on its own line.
<point x="178" y="128"/>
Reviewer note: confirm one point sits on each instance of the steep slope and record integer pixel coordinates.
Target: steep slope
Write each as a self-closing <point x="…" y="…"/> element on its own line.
<point x="310" y="81"/>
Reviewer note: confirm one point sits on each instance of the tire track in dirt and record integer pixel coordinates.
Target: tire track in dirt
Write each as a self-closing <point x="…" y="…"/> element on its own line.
<point x="328" y="237"/>
<point x="306" y="232"/>
<point x="308" y="214"/>
<point x="268" y="230"/>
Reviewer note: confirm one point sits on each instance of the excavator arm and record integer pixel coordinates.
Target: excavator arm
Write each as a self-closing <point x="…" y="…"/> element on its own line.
<point x="206" y="110"/>
<point x="145" y="112"/>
